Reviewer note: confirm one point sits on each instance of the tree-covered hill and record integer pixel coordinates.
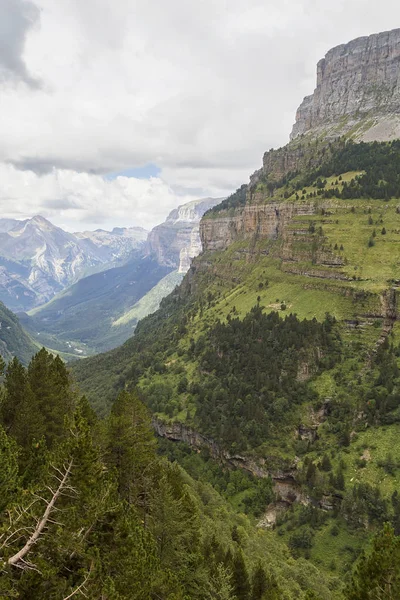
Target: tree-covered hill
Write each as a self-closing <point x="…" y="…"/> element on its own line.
<point x="14" y="341"/>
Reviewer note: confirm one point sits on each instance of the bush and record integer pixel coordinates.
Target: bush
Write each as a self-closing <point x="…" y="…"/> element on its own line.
<point x="302" y="539"/>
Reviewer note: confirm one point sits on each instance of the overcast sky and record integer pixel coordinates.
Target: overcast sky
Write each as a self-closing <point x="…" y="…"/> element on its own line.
<point x="113" y="112"/>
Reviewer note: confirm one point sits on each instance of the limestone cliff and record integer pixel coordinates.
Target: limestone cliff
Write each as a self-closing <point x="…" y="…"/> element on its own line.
<point x="358" y="93"/>
<point x="266" y="220"/>
<point x="176" y="241"/>
<point x="358" y="87"/>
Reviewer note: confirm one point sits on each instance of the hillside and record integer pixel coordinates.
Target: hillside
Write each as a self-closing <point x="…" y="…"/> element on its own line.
<point x="279" y="353"/>
<point x="303" y="248"/>
<point x="14" y="341"/>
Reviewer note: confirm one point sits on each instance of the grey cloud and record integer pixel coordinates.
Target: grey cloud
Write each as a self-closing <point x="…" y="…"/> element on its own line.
<point x="16" y="19"/>
<point x="62" y="204"/>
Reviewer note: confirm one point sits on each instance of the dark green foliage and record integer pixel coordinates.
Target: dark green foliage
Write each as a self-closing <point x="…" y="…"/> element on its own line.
<point x="301" y="540"/>
<point x="377" y="574"/>
<point x="227" y="481"/>
<point x="235" y="200"/>
<point x="326" y="463"/>
<point x="14" y="341"/>
<point x="379" y="160"/>
<point x="240" y="577"/>
<point x="130" y="446"/>
<point x="120" y="523"/>
<point x="242" y="391"/>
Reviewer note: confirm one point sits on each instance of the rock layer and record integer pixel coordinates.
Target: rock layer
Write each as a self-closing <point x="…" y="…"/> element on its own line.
<point x="356" y="81"/>
<point x="266" y="220"/>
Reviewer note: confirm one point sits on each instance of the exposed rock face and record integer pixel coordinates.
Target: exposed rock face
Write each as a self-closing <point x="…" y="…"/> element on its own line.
<point x="176" y="241"/>
<point x="285" y="485"/>
<point x="355" y="82"/>
<point x="261" y="220"/>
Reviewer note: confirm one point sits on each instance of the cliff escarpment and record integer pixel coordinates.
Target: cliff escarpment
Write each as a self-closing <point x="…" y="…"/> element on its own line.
<point x="267" y="220"/>
<point x="356" y="81"/>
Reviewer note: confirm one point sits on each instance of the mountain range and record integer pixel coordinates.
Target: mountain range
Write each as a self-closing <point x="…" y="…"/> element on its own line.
<point x="271" y="373"/>
<point x="82" y="290"/>
<point x="38" y="259"/>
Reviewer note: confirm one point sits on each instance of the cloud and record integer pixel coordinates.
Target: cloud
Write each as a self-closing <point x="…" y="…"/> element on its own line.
<point x="17" y="17"/>
<point x="77" y="201"/>
<point x="198" y="89"/>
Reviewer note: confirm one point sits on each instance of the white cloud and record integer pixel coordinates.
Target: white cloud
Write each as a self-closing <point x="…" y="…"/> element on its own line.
<point x="78" y="201"/>
<point x="200" y="89"/>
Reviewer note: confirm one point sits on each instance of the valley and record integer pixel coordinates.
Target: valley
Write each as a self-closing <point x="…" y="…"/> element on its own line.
<point x="226" y="425"/>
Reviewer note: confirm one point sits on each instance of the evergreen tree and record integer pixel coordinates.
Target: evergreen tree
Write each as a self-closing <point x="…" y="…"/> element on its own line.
<point x="130" y="447"/>
<point x="377" y="574"/>
<point x="240" y="577"/>
<point x="49" y="381"/>
<point x="20" y="413"/>
<point x="8" y="468"/>
<point x="259" y="583"/>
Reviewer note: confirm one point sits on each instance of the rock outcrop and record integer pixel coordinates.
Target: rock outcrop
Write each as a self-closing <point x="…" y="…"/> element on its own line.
<point x="358" y="87"/>
<point x="284" y="481"/>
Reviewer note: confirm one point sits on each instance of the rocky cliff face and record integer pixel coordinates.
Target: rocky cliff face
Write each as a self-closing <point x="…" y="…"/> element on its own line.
<point x="284" y="481"/>
<point x="176" y="241"/>
<point x="266" y="220"/>
<point x="357" y="83"/>
<point x="115" y="245"/>
<point x="358" y="92"/>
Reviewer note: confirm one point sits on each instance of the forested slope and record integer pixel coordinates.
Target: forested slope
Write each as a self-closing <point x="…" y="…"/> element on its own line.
<point x="311" y="400"/>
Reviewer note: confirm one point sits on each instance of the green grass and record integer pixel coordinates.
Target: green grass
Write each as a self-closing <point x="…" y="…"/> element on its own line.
<point x="377" y="443"/>
<point x="337" y="553"/>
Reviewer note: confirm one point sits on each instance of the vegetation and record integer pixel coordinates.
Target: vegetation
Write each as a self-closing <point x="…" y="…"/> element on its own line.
<point x="89" y="508"/>
<point x="14" y="341"/>
<point x="245" y="355"/>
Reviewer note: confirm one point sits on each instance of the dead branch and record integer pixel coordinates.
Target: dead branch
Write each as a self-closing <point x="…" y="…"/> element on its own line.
<point x="80" y="587"/>
<point x="17" y="558"/>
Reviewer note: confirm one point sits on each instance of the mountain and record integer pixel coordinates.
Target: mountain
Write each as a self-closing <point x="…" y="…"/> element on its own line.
<point x="101" y="311"/>
<point x="358" y="91"/>
<point x="176" y="241"/>
<point x="117" y="244"/>
<point x="38" y="259"/>
<point x="279" y="354"/>
<point x="14" y="341"/>
<point x="79" y="320"/>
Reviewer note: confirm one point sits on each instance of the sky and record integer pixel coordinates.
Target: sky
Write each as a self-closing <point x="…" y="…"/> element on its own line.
<point x="114" y="112"/>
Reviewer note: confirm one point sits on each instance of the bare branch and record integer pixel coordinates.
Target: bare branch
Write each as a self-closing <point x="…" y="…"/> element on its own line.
<point x="19" y="556"/>
<point x="80" y="587"/>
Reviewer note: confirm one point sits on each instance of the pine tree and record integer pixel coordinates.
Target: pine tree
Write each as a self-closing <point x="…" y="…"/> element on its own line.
<point x="20" y="413"/>
<point x="8" y="468"/>
<point x="240" y="577"/>
<point x="259" y="583"/>
<point x="377" y="574"/>
<point x="130" y="446"/>
<point x="49" y="381"/>
<point x="326" y="463"/>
